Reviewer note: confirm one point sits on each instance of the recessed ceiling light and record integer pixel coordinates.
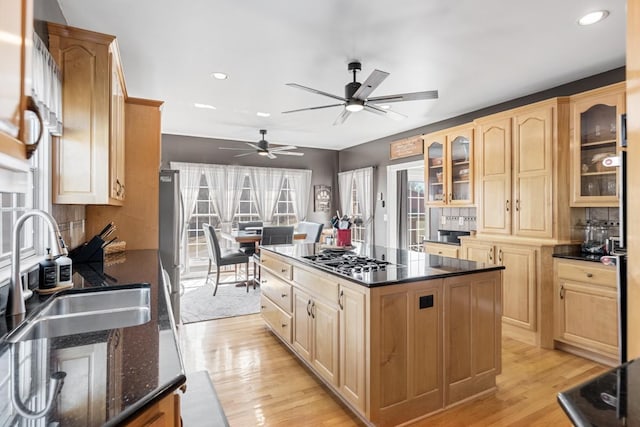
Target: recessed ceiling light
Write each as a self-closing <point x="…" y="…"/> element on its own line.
<point x="593" y="17"/>
<point x="261" y="114"/>
<point x="207" y="106"/>
<point x="220" y="76"/>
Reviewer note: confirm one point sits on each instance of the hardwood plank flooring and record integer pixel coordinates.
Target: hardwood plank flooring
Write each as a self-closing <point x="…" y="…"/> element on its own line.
<point x="260" y="382"/>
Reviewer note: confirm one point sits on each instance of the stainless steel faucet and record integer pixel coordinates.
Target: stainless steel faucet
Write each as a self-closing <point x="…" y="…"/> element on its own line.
<point x="16" y="292"/>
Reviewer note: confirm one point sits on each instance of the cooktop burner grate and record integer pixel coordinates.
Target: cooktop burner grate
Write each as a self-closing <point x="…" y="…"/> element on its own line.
<point x="347" y="263"/>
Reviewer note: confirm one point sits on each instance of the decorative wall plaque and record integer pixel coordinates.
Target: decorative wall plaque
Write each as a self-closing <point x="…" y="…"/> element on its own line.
<point x="406" y="148"/>
<point x="321" y="198"/>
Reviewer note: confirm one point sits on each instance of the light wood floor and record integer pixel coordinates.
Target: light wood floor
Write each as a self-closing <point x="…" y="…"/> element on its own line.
<point x="260" y="383"/>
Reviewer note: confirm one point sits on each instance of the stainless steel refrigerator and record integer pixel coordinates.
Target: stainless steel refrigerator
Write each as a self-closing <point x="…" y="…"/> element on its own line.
<point x="170" y="224"/>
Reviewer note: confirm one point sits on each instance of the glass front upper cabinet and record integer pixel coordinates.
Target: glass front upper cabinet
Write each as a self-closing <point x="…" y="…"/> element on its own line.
<point x="595" y="133"/>
<point x="449" y="167"/>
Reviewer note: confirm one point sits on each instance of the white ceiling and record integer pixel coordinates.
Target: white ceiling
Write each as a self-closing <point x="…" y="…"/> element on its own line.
<point x="475" y="53"/>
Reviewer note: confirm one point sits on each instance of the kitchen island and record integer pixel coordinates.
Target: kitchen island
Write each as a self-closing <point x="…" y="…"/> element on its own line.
<point x="118" y="376"/>
<point x="396" y="335"/>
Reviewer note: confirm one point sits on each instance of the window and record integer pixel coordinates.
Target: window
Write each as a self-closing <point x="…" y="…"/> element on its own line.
<point x="203" y="212"/>
<point x="358" y="229"/>
<point x="247" y="210"/>
<point x="285" y="210"/>
<point x="415" y="216"/>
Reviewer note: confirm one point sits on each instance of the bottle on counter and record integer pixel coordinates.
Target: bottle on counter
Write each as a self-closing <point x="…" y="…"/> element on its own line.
<point x="48" y="272"/>
<point x="64" y="270"/>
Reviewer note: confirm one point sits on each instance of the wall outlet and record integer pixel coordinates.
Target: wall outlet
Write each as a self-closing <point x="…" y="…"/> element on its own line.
<point x="443" y="220"/>
<point x="460" y="220"/>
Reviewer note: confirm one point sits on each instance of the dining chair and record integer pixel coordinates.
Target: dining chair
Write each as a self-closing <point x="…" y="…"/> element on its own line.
<point x="223" y="257"/>
<point x="271" y="236"/>
<point x="313" y="230"/>
<point x="250" y="247"/>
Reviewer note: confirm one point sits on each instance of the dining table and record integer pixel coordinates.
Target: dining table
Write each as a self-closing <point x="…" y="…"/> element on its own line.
<point x="252" y="236"/>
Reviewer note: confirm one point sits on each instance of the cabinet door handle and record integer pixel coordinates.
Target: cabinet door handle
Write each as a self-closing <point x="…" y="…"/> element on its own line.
<point x="263" y="307"/>
<point x="313" y="310"/>
<point x="284" y="325"/>
<point x="284" y="270"/>
<point x="517" y="205"/>
<point x="500" y="256"/>
<point x="439" y="252"/>
<point x="491" y="254"/>
<point x="263" y="281"/>
<point x="589" y="275"/>
<point x="340" y="297"/>
<point x="450" y="197"/>
<point x="283" y="295"/>
<point x="507" y="206"/>
<point x="33" y="107"/>
<point x="562" y="292"/>
<point x="309" y="308"/>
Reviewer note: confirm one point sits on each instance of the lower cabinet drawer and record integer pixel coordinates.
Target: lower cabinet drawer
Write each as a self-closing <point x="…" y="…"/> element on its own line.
<point x="442" y="250"/>
<point x="277" y="290"/>
<point x="586" y="272"/>
<point x="279" y="321"/>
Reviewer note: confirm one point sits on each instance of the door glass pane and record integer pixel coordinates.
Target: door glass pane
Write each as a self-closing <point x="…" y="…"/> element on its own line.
<point x="460" y="168"/>
<point x="435" y="153"/>
<point x="598" y="136"/>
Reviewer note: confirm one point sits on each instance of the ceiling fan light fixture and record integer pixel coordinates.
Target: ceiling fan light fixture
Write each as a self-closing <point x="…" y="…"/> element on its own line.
<point x="354" y="106"/>
<point x="263" y="114"/>
<point x="593" y="17"/>
<point x="263" y="153"/>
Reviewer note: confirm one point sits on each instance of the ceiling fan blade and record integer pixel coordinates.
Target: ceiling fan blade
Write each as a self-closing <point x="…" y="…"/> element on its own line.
<point x="373" y="81"/>
<point x="313" y="108"/>
<point x="237" y="149"/>
<point x="384" y="112"/>
<point x="271" y="156"/>
<point x="282" y="148"/>
<point x="342" y="117"/>
<point x="412" y="96"/>
<point x="319" y="92"/>
<point x="243" y="154"/>
<point x="288" y="153"/>
<point x="252" y="145"/>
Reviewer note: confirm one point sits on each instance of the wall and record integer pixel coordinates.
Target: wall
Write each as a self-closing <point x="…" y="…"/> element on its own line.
<point x="323" y="163"/>
<point x="376" y="153"/>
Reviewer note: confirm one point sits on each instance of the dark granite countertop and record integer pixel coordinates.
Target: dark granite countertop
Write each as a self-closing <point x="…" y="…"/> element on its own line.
<point x="111" y="374"/>
<point x="580" y="256"/>
<point x="405" y="266"/>
<point x="611" y="399"/>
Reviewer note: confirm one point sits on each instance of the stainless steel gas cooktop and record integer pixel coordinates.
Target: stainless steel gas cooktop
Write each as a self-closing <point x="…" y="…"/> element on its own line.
<point x="348" y="263"/>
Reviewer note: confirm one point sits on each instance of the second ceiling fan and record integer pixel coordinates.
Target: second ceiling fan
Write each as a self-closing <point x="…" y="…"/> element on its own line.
<point x="356" y="96"/>
<point x="263" y="148"/>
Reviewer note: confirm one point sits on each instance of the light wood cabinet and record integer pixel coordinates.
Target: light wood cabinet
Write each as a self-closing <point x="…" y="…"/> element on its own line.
<point x="441" y="249"/>
<point x="353" y="341"/>
<point x="449" y="167"/>
<point x="586" y="309"/>
<point x="315" y="334"/>
<point x="595" y="135"/>
<point x="89" y="157"/>
<point x="16" y="26"/>
<point x="520" y="282"/>
<point x="472" y="331"/>
<point x="164" y="413"/>
<point x="521" y="158"/>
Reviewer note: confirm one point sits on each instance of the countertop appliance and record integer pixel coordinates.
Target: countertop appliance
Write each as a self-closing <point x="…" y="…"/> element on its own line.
<point x="170" y="226"/>
<point x="347" y="263"/>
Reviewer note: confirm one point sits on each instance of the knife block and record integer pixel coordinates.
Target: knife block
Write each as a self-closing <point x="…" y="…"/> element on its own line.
<point x="91" y="251"/>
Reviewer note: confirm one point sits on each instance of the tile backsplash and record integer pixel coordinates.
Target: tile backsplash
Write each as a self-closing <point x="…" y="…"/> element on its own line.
<point x="449" y="219"/>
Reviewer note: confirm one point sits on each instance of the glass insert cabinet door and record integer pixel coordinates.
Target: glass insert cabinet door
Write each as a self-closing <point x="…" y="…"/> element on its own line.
<point x="449" y="167"/>
<point x="595" y="135"/>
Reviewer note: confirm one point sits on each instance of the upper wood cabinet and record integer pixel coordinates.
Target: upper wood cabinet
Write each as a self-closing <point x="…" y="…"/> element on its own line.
<point x="595" y="131"/>
<point x="449" y="166"/>
<point x="520" y="157"/>
<point x="15" y="69"/>
<point x="89" y="157"/>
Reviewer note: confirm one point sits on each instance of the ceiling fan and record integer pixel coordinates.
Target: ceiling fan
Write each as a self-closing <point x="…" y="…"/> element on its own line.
<point x="263" y="149"/>
<point x="356" y="96"/>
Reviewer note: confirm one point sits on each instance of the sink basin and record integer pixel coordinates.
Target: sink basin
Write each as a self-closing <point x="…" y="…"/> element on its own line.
<point x="78" y="313"/>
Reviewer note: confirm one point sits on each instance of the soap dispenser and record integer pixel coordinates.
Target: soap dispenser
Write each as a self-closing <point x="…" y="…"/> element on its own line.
<point x="64" y="270"/>
<point x="48" y="272"/>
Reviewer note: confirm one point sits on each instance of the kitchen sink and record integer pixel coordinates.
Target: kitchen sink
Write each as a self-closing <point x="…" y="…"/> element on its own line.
<point x="78" y="313"/>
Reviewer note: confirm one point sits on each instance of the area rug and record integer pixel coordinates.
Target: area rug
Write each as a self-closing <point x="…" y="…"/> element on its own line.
<point x="198" y="303"/>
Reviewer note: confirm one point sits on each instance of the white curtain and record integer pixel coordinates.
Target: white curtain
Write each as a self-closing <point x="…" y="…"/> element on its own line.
<point x="300" y="183"/>
<point x="190" y="174"/>
<point x="266" y="184"/>
<point x="364" y="192"/>
<point x="225" y="184"/>
<point x="46" y="87"/>
<point x="345" y="186"/>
